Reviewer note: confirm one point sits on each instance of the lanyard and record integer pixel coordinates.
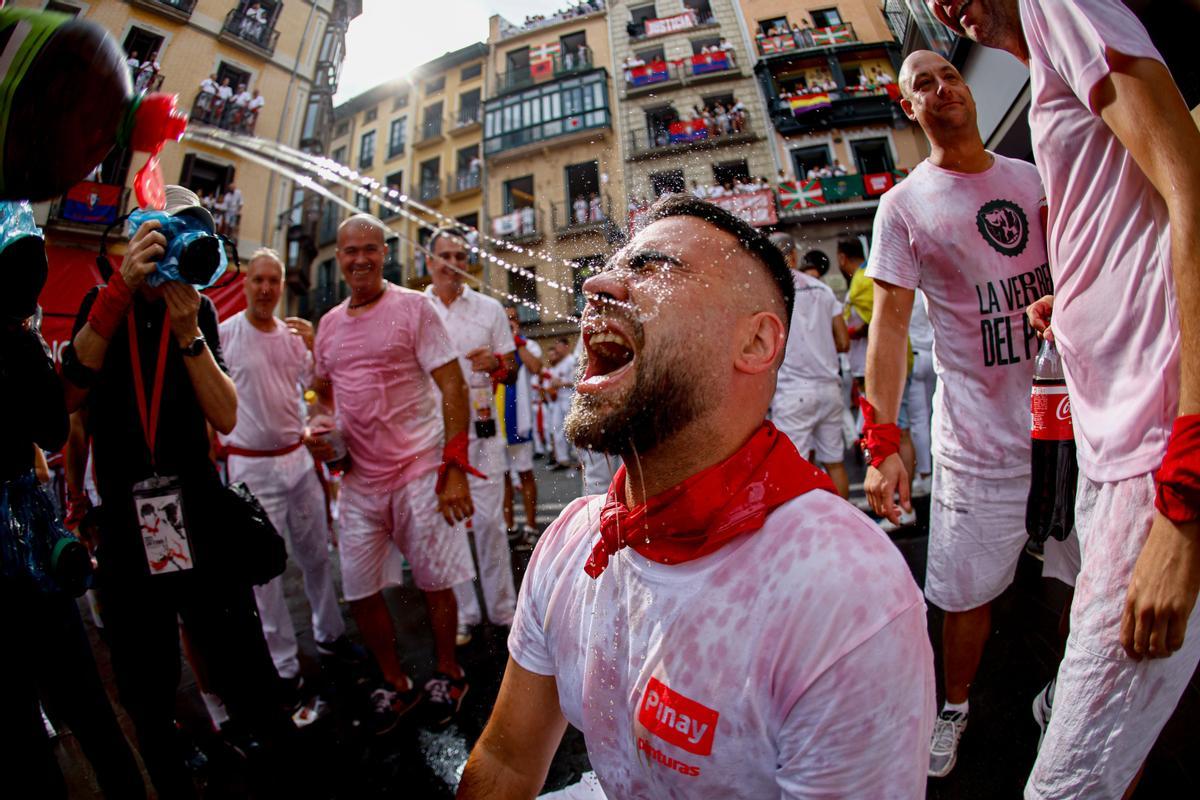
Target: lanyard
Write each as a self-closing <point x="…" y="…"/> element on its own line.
<point x="149" y="422"/>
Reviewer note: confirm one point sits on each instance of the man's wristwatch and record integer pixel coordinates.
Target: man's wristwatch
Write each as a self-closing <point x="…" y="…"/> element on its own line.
<point x="195" y="347"/>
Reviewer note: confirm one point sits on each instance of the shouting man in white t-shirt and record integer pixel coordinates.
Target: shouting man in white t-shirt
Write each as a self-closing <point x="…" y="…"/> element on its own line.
<point x="479" y="333"/>
<point x="964" y="228"/>
<point x="721" y="624"/>
<point x="1116" y="149"/>
<point x="808" y="391"/>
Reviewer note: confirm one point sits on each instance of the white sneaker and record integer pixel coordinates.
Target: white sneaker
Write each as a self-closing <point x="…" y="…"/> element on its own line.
<point x="922" y="486"/>
<point x="1043" y="705"/>
<point x="463" y="635"/>
<point x="943" y="747"/>
<point x="907" y="518"/>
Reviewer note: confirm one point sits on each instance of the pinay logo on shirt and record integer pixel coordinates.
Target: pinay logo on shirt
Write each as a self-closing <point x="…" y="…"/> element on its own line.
<point x="677" y="719"/>
<point x="1004" y="226"/>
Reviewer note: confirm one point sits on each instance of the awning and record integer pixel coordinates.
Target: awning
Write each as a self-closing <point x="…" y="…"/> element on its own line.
<point x="73" y="271"/>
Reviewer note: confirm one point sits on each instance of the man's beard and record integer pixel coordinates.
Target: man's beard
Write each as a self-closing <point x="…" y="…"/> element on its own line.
<point x="1000" y="18"/>
<point x="665" y="398"/>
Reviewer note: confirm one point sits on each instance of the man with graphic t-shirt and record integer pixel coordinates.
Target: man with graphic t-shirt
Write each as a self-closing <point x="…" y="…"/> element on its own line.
<point x="963" y="227"/>
<point x="808" y="391"/>
<point x="388" y="358"/>
<point x="721" y="624"/>
<point x="1116" y="149"/>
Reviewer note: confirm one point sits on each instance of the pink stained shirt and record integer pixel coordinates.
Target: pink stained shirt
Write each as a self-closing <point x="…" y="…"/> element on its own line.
<point x="793" y="662"/>
<point x="1115" y="316"/>
<point x="271" y="371"/>
<point x="387" y="404"/>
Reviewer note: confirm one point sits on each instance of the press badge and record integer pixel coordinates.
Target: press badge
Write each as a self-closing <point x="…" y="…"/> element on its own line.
<point x="481" y="411"/>
<point x="158" y="503"/>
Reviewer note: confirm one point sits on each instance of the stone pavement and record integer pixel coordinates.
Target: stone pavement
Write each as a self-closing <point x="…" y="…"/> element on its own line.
<point x="340" y="760"/>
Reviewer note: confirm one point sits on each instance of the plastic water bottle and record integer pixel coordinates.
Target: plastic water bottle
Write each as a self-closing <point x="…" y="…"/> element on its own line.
<point x="66" y="100"/>
<point x="1050" y="510"/>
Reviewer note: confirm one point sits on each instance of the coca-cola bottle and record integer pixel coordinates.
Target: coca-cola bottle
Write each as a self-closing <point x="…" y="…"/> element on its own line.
<point x="1050" y="510"/>
<point x="66" y="100"/>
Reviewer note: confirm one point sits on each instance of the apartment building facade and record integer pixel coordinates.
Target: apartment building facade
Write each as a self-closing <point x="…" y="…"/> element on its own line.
<point x="288" y="52"/>
<point x="827" y="74"/>
<point x="553" y="171"/>
<point x="419" y="135"/>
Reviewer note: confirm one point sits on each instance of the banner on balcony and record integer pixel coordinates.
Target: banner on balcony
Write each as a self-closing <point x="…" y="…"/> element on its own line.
<point x="687" y="131"/>
<point x="541" y="69"/>
<point x="679" y="22"/>
<point x="507" y="225"/>
<point x="757" y="208"/>
<point x="810" y="102"/>
<point x="834" y="34"/>
<point x="92" y="202"/>
<point x="710" y="62"/>
<point x="654" y="72"/>
<point x="878" y="182"/>
<point x="846" y="187"/>
<point x="798" y="195"/>
<point x="776" y="44"/>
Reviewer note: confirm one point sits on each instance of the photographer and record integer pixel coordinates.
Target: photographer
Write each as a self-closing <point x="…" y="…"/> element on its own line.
<point x="146" y="362"/>
<point x="46" y="649"/>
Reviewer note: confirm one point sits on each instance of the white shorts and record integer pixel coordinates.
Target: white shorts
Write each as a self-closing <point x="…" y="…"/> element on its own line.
<point x="519" y="458"/>
<point x="376" y="532"/>
<point x="1062" y="559"/>
<point x="812" y="419"/>
<point x="1108" y="709"/>
<point x="976" y="535"/>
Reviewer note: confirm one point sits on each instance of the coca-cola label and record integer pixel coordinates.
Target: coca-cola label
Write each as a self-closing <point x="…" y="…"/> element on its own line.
<point x="1051" y="413"/>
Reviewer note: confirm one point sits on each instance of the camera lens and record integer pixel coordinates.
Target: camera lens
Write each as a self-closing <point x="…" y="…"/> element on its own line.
<point x="199" y="260"/>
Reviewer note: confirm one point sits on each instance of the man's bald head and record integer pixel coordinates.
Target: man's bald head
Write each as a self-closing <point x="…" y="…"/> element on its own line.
<point x="919" y="60"/>
<point x="934" y="95"/>
<point x="364" y="220"/>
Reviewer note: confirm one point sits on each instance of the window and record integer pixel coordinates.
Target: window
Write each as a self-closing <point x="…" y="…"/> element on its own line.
<point x="366" y="150"/>
<point x="517" y="59"/>
<point x="525" y="288"/>
<point x="583" y="269"/>
<point x="469" y="107"/>
<point x="342" y="129"/>
<point x="205" y="177"/>
<point x="852" y="74"/>
<point x="371" y="115"/>
<point x="698" y="45"/>
<point x="518" y="194"/>
<point x="396" y="132"/>
<point x="432" y="125"/>
<point x="667" y="182"/>
<point x="637" y="19"/>
<point x="395" y="181"/>
<point x="652" y="54"/>
<point x="570" y="49"/>
<point x="470" y="72"/>
<point x="142" y="44"/>
<point x="339" y="154"/>
<point x="237" y="77"/>
<point x="430" y="179"/>
<point x="435" y="85"/>
<point x="872" y="155"/>
<point x="806" y="159"/>
<point x="704" y="14"/>
<point x="362" y="202"/>
<point x="826" y="17"/>
<point x="658" y="123"/>
<point x="765" y="25"/>
<point x="583" y="181"/>
<point x="729" y="172"/>
<point x="469" y="220"/>
<point x="400" y="102"/>
<point x="543" y="112"/>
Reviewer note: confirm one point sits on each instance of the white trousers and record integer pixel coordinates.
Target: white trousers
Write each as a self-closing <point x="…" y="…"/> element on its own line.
<point x="920" y="408"/>
<point x="557" y="415"/>
<point x="291" y="494"/>
<point x="494" y="562"/>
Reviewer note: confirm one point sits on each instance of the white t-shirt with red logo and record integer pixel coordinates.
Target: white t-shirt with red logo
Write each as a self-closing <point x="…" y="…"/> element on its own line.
<point x="1115" y="315"/>
<point x="973" y="243"/>
<point x="792" y="662"/>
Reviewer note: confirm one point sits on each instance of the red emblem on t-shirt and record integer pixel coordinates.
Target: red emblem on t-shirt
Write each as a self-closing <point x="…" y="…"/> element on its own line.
<point x="677" y="719"/>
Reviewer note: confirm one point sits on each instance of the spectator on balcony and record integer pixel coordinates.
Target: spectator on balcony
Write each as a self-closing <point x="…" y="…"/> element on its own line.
<point x="580" y="207"/>
<point x="883" y="78"/>
<point x="474" y="167"/>
<point x="528" y="221"/>
<point x="219" y="109"/>
<point x="134" y="63"/>
<point x="595" y="210"/>
<point x="146" y="73"/>
<point x="235" y="115"/>
<point x="838" y="169"/>
<point x="233" y="210"/>
<point x="253" y="24"/>
<point x="252" y="108"/>
<point x="208" y="94"/>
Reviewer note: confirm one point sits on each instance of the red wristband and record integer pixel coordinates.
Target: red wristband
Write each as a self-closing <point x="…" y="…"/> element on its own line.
<point x="500" y="374"/>
<point x="111" y="304"/>
<point x="1177" y="490"/>
<point x="879" y="439"/>
<point x="454" y="454"/>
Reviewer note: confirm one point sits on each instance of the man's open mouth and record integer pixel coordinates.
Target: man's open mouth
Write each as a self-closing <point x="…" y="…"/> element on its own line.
<point x="610" y="355"/>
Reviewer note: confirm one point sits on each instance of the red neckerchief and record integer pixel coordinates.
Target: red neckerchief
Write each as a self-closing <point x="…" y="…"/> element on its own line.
<point x="700" y="515"/>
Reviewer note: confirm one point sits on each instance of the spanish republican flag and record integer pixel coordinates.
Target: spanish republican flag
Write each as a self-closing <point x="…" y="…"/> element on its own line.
<point x="810" y="102"/>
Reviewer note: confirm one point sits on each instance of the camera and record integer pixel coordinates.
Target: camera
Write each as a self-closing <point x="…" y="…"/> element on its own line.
<point x="194" y="254"/>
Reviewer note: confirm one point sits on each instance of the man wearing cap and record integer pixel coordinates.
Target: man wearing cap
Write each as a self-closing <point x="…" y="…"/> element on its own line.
<point x="270" y="361"/>
<point x="385" y="357"/>
<point x="721" y="624"/>
<point x="146" y="363"/>
<point x="808" y="393"/>
<point x="483" y="342"/>
<point x="1116" y="150"/>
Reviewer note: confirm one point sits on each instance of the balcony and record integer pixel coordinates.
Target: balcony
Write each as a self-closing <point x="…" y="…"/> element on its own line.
<point x="571" y="219"/>
<point x="431" y="133"/>
<point x="523" y="226"/>
<point x="252" y="32"/>
<point x="683" y="136"/>
<point x="89" y="207"/>
<point x="841" y="108"/>
<point x="178" y="10"/>
<point x="430" y="190"/>
<point x="468" y="119"/>
<point x="212" y="110"/>
<point x="546" y="69"/>
<point x="463" y="183"/>
<point x="703" y="67"/>
<point x="687" y="21"/>
<point x="586" y="8"/>
<point x="799" y="40"/>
